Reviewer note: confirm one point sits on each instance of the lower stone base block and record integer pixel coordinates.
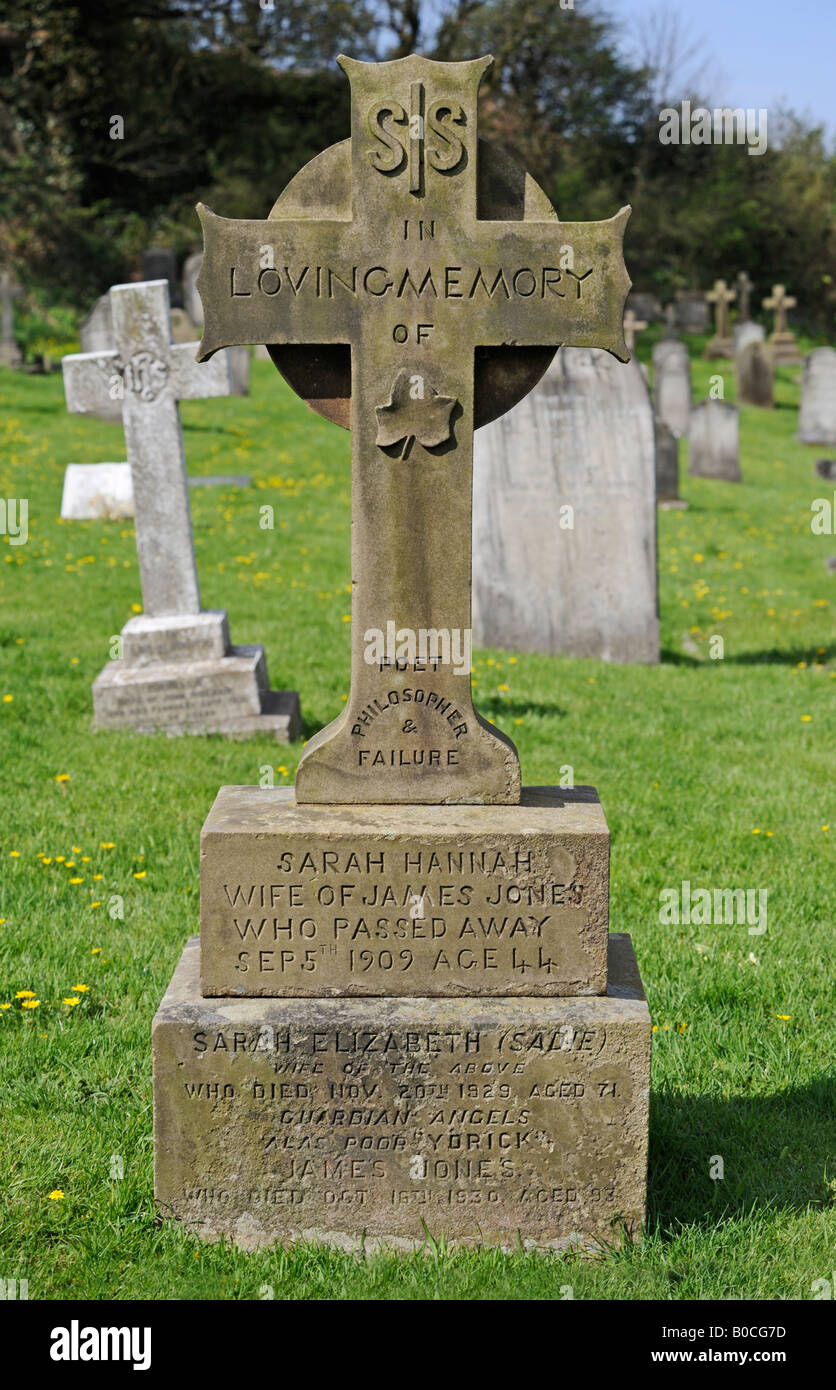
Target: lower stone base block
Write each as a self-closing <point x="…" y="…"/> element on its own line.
<point x="373" y="1121"/>
<point x="226" y="695"/>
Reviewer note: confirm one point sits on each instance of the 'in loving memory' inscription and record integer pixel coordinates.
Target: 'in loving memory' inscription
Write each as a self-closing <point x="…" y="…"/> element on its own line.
<point x="414" y="282"/>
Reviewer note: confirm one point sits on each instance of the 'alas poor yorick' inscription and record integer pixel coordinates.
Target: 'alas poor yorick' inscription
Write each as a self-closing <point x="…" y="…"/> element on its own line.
<point x="477" y="901"/>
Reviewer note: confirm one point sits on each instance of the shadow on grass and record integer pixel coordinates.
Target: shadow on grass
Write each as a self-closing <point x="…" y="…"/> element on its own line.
<point x="503" y="710"/>
<point x="775" y="1150"/>
<point x="775" y="656"/>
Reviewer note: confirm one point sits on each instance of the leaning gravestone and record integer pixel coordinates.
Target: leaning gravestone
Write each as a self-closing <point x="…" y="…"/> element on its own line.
<point x="10" y="353"/>
<point x="713" y="442"/>
<point x="743" y="287"/>
<point x="672" y="384"/>
<point x="177" y="671"/>
<point x="326" y="1055"/>
<point x="667" y="468"/>
<point x="564" y="516"/>
<point x="746" y="333"/>
<point x="755" y="375"/>
<point x="817" y="416"/>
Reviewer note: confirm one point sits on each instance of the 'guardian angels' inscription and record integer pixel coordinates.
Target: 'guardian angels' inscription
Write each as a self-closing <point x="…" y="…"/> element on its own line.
<point x="415" y="282"/>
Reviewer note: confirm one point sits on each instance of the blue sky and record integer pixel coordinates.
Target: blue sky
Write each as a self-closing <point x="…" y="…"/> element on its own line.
<point x="761" y="50"/>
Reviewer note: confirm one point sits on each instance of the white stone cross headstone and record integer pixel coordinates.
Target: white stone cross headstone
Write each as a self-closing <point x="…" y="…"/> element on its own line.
<point x="150" y="374"/>
<point x="780" y="301"/>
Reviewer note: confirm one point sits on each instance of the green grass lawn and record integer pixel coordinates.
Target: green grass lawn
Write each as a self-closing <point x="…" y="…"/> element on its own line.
<point x="720" y="772"/>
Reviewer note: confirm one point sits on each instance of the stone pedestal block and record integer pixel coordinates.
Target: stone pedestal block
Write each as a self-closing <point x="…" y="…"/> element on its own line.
<point x="374" y="1121"/>
<point x="200" y="636"/>
<point x="300" y="899"/>
<point x="226" y="695"/>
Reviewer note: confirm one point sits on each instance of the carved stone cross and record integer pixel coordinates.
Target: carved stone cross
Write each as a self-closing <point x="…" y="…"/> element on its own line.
<point x="744" y="291"/>
<point x="780" y="301"/>
<point x="721" y="297"/>
<point x="632" y="326"/>
<point x="419" y="286"/>
<point x="149" y="374"/>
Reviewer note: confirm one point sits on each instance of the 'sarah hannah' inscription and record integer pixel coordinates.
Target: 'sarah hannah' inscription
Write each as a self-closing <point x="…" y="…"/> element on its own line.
<point x="414" y="312"/>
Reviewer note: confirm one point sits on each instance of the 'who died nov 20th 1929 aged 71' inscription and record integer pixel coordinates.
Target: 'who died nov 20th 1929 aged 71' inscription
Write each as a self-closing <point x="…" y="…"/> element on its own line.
<point x="478" y="908"/>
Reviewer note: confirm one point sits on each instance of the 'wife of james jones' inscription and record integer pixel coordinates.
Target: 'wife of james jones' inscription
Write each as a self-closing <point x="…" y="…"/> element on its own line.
<point x="475" y="901"/>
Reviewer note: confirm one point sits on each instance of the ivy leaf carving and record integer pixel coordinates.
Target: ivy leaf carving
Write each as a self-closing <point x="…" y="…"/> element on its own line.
<point x="415" y="411"/>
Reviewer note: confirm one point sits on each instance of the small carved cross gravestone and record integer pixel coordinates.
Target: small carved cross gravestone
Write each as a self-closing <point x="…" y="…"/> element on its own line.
<point x="744" y="292"/>
<point x="784" y="347"/>
<point x="10" y="354"/>
<point x="417" y="284"/>
<point x="149" y="375"/>
<point x="632" y="326"/>
<point x="721" y="297"/>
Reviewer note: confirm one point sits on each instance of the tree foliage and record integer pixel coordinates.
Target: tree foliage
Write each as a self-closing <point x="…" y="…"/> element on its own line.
<point x="224" y="101"/>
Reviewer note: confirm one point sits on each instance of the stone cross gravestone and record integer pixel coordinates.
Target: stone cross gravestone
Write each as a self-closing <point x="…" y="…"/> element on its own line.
<point x="177" y="671"/>
<point x="817" y="415"/>
<point x="744" y="289"/>
<point x="755" y="376"/>
<point x="361" y="961"/>
<point x="564" y="523"/>
<point x="667" y="467"/>
<point x="672" y="384"/>
<point x="713" y="441"/>
<point x="784" y="347"/>
<point x="10" y="353"/>
<point x="721" y="297"/>
<point x="632" y="326"/>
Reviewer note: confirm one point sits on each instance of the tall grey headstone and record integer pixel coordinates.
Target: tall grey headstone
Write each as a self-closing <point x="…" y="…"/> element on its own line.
<point x="692" y="313"/>
<point x="564" y="520"/>
<point x="755" y="374"/>
<point x="160" y="263"/>
<point x="817" y="416"/>
<point x="667" y="467"/>
<point x="713" y="441"/>
<point x="743" y="288"/>
<point x="177" y="670"/>
<point x="672" y="384"/>
<point x="10" y="353"/>
<point x="191" y="299"/>
<point x="747" y="332"/>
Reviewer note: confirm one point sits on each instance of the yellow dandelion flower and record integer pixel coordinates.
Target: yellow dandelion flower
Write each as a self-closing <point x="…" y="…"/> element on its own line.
<point x="85" y="858"/>
<point x="141" y="874"/>
<point x="346" y="617"/>
<point x="95" y="951"/>
<point x="25" y="994"/>
<point x="76" y="880"/>
<point x="769" y="833"/>
<point x="512" y="661"/>
<point x="107" y="844"/>
<point x="97" y="904"/>
<point x="655" y="1028"/>
<point x="502" y="687"/>
<point x="76" y="849"/>
<point x="14" y="853"/>
<point x="44" y="860"/>
<point x="785" y="1018"/>
<point x="79" y="989"/>
<point x="825" y="827"/>
<point x="805" y="718"/>
<point x="73" y="999"/>
<point x="136" y="607"/>
<point x="5" y="1006"/>
<point x="56" y="1195"/>
<point x="31" y="1004"/>
<point x="63" y="777"/>
<point x="756" y="831"/>
<point x="283" y="770"/>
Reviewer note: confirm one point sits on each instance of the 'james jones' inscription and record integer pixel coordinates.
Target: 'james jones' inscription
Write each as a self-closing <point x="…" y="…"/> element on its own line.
<point x="474" y="901"/>
<point x="311" y="1117"/>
